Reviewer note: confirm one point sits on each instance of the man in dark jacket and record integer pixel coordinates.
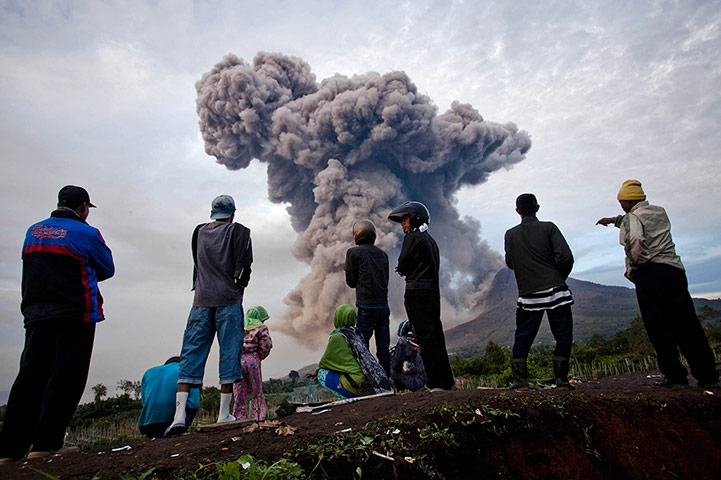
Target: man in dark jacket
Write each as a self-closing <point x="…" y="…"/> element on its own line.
<point x="64" y="258"/>
<point x="366" y="270"/>
<point x="419" y="262"/>
<point x="541" y="259"/>
<point x="222" y="257"/>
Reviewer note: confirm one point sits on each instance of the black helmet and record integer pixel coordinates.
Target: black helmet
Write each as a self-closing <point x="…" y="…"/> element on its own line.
<point x="405" y="329"/>
<point x="416" y="210"/>
<point x="364" y="231"/>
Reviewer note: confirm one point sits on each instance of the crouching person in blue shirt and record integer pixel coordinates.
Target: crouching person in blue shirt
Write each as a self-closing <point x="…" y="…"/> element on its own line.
<point x="157" y="392"/>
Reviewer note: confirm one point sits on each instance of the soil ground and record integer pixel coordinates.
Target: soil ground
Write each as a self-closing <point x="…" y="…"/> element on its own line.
<point x="617" y="427"/>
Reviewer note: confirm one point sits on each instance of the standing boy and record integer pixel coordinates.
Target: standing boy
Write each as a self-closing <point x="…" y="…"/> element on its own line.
<point x="541" y="260"/>
<point x="419" y="262"/>
<point x="662" y="289"/>
<point x="222" y="255"/>
<point x="366" y="270"/>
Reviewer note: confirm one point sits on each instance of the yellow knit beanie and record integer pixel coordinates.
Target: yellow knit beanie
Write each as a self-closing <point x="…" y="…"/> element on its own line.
<point x="631" y="190"/>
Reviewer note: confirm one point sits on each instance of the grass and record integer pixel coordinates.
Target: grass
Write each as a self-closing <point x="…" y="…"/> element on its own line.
<point x="123" y="428"/>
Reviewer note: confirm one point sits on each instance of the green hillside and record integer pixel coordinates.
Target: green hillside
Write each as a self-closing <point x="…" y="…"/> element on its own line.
<point x="598" y="309"/>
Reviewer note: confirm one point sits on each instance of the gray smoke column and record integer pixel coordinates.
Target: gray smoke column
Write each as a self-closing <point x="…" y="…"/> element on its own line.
<point x="351" y="148"/>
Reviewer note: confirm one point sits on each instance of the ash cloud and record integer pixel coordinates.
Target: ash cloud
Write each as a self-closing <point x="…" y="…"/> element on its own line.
<point x="347" y="148"/>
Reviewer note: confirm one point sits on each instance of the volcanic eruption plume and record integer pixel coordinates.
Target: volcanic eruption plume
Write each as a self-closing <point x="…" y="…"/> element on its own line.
<point x="351" y="148"/>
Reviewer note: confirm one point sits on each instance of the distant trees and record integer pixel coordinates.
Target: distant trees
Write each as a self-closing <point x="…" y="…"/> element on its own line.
<point x="632" y="342"/>
<point x="276" y="385"/>
<point x="131" y="389"/>
<point x="707" y="315"/>
<point x="493" y="361"/>
<point x="99" y="391"/>
<point x="210" y="399"/>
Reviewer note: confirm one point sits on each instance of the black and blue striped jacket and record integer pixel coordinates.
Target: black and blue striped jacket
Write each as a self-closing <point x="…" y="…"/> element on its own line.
<point x="64" y="258"/>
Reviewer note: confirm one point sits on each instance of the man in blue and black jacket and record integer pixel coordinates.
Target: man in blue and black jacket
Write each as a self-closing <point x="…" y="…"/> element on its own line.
<point x="64" y="258"/>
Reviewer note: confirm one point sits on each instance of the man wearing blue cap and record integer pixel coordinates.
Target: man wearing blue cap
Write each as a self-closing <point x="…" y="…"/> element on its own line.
<point x="222" y="256"/>
<point x="64" y="258"/>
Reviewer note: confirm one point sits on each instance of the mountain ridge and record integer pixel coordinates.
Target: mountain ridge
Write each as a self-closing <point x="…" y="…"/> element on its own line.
<point x="598" y="309"/>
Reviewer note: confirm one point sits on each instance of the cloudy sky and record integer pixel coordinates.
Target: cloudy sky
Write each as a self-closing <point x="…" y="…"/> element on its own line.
<point x="102" y="94"/>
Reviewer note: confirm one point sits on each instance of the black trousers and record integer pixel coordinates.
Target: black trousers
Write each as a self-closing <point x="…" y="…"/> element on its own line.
<point x="377" y="320"/>
<point x="424" y="313"/>
<point x="527" y="324"/>
<point x="53" y="372"/>
<point x="671" y="323"/>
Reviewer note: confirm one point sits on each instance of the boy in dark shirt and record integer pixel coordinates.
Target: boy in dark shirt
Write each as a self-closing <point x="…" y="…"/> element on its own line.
<point x="366" y="270"/>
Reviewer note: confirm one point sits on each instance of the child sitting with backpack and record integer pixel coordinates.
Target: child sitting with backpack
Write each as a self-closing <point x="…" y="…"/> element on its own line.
<point x="407" y="369"/>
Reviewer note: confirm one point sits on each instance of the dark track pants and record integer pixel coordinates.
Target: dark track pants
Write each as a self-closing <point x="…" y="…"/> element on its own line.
<point x="424" y="313"/>
<point x="528" y="322"/>
<point x="53" y="372"/>
<point x="671" y="323"/>
<point x="377" y="320"/>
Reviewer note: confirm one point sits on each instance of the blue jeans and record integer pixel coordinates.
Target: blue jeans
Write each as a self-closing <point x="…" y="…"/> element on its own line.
<point x="528" y="322"/>
<point x="203" y="323"/>
<point x="376" y="320"/>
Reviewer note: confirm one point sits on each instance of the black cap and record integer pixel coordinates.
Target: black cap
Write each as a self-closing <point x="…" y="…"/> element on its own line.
<point x="72" y="197"/>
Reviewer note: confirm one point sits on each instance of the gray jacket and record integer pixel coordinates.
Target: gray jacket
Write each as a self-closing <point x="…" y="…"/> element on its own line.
<point x="646" y="237"/>
<point x="538" y="254"/>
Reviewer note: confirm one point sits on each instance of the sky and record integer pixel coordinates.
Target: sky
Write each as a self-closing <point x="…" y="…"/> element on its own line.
<point x="102" y="94"/>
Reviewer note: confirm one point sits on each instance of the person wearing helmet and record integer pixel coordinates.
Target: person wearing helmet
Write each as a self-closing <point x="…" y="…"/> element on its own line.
<point x="407" y="370"/>
<point x="419" y="263"/>
<point x="366" y="270"/>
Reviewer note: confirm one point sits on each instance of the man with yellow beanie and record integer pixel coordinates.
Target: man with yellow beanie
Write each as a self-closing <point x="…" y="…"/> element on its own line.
<point x="662" y="289"/>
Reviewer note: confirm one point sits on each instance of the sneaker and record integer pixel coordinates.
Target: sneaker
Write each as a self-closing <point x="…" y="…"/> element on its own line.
<point x="229" y="418"/>
<point x="175" y="429"/>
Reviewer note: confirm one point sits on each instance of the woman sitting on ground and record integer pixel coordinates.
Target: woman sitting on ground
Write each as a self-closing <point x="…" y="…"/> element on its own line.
<point x="347" y="369"/>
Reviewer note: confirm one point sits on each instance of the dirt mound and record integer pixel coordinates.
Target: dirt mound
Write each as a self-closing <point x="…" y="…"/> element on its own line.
<point x="621" y="427"/>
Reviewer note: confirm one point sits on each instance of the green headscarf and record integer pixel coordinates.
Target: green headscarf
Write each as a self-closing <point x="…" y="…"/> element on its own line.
<point x="338" y="356"/>
<point x="254" y="317"/>
<point x="344" y="316"/>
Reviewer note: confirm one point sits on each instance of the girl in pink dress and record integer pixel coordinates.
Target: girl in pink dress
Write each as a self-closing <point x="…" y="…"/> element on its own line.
<point x="256" y="347"/>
